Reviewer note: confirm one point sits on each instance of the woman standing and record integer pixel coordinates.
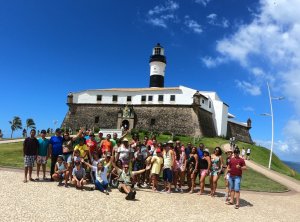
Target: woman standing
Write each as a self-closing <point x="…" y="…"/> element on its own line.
<point x="204" y="164"/>
<point x="215" y="170"/>
<point x="179" y="170"/>
<point x="192" y="165"/>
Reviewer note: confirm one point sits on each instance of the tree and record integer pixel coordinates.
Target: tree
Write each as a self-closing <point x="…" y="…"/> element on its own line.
<point x="15" y="124"/>
<point x="30" y="124"/>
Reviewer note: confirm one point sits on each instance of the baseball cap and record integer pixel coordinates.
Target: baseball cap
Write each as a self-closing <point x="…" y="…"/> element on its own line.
<point x="43" y="131"/>
<point x="125" y="140"/>
<point x="58" y="130"/>
<point x="170" y="142"/>
<point x="206" y="150"/>
<point x="158" y="150"/>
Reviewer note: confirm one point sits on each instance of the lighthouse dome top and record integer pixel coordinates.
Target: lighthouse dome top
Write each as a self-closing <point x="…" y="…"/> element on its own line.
<point x="158" y="54"/>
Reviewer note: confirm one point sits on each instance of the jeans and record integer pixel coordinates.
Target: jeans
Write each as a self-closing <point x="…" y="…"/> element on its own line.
<point x="235" y="183"/>
<point x="101" y="185"/>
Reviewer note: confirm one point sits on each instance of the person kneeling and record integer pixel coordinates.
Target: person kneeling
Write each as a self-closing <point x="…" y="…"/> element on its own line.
<point x="101" y="181"/>
<point x="78" y="175"/>
<point x="61" y="171"/>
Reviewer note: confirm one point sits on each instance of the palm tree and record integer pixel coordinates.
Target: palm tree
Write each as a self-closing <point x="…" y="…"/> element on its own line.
<point x="30" y="124"/>
<point x="15" y="124"/>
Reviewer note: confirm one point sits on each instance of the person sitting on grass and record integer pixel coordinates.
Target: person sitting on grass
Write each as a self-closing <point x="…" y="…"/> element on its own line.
<point x="235" y="168"/>
<point x="61" y="171"/>
<point x="125" y="180"/>
<point x="30" y="149"/>
<point x="101" y="181"/>
<point x="78" y="174"/>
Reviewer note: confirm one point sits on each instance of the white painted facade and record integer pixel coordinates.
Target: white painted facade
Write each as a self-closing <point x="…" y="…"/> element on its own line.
<point x="170" y="96"/>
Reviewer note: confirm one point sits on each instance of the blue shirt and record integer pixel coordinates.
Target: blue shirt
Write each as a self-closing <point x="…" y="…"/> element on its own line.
<point x="200" y="153"/>
<point x="43" y="147"/>
<point x="56" y="142"/>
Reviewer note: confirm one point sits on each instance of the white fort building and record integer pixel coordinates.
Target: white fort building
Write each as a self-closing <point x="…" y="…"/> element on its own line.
<point x="179" y="110"/>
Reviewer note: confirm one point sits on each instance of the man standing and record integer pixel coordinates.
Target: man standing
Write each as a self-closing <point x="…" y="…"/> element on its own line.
<point x="235" y="169"/>
<point x="248" y="154"/>
<point x="55" y="149"/>
<point x="30" y="148"/>
<point x="169" y="163"/>
<point x="200" y="150"/>
<point x="43" y="154"/>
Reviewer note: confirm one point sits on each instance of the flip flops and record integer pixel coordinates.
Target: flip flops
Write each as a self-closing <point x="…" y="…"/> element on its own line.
<point x="236" y="206"/>
<point x="229" y="203"/>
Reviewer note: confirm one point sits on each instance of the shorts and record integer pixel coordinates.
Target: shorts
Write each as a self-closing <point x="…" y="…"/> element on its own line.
<point x="214" y="173"/>
<point x="120" y="187"/>
<point x="61" y="175"/>
<point x="41" y="160"/>
<point x="138" y="166"/>
<point x="29" y="161"/>
<point x="68" y="158"/>
<point x="168" y="175"/>
<point x="235" y="183"/>
<point x="203" y="172"/>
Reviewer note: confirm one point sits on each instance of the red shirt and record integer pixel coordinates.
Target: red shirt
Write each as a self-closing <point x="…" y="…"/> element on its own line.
<point x="234" y="171"/>
<point x="92" y="145"/>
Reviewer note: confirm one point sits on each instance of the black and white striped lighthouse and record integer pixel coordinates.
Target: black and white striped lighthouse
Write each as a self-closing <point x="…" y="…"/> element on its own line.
<point x="157" y="66"/>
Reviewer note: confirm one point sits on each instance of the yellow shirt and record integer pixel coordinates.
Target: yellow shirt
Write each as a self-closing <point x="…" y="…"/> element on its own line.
<point x="156" y="165"/>
<point x="82" y="149"/>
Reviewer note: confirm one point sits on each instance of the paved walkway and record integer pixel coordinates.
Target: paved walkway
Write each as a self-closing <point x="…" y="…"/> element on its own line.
<point x="287" y="181"/>
<point x="45" y="201"/>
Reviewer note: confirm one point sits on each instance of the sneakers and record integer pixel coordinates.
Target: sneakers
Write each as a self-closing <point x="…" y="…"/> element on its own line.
<point x="176" y="190"/>
<point x="181" y="190"/>
<point x="164" y="190"/>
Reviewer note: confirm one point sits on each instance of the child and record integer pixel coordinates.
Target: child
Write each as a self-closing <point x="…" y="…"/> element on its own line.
<point x="157" y="162"/>
<point x="78" y="174"/>
<point x="61" y="171"/>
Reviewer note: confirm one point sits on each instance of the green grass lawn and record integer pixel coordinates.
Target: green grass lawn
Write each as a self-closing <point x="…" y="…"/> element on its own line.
<point x="11" y="155"/>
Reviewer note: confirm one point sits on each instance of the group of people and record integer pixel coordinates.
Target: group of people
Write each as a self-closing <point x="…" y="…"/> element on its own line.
<point x="113" y="162"/>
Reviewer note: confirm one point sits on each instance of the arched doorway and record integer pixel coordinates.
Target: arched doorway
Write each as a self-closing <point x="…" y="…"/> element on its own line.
<point x="125" y="124"/>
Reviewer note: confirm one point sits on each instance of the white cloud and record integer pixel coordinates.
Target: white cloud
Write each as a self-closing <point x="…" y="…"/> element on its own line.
<point x="249" y="88"/>
<point x="279" y="146"/>
<point x="169" y="6"/>
<point x="193" y="25"/>
<point x="212" y="19"/>
<point x="269" y="48"/>
<point x="212" y="62"/>
<point x="292" y="135"/>
<point x="160" y="15"/>
<point x="203" y="2"/>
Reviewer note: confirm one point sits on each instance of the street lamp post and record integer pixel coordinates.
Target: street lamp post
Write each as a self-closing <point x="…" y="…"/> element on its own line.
<point x="272" y="119"/>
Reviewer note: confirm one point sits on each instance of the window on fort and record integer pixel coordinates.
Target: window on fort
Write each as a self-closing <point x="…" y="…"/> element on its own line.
<point x="150" y="98"/>
<point x="99" y="97"/>
<point x="115" y="98"/>
<point x="209" y="104"/>
<point x="152" y="122"/>
<point x="172" y="98"/>
<point x="143" y="98"/>
<point x="202" y="101"/>
<point x="97" y="119"/>
<point x="128" y="98"/>
<point x="160" y="98"/>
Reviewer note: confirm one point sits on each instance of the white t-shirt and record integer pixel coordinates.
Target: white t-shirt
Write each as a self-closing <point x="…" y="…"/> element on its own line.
<point x="101" y="175"/>
<point x="95" y="163"/>
<point x="124" y="153"/>
<point x="248" y="151"/>
<point x="243" y="152"/>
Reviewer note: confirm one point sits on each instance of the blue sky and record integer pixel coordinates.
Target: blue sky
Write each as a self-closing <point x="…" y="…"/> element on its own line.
<point x="233" y="47"/>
